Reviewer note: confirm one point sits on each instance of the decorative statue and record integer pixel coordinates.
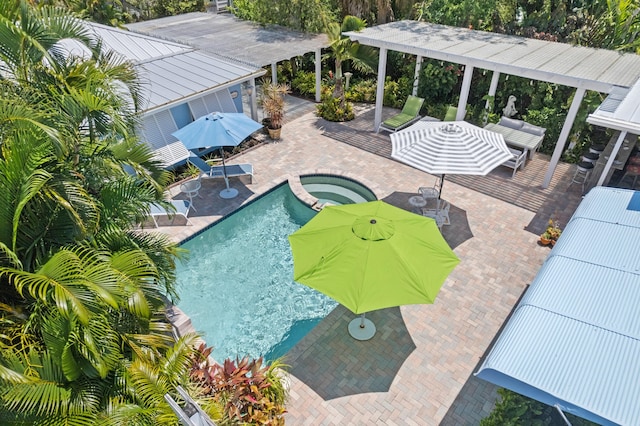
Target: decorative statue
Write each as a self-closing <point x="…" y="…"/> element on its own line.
<point x="510" y="110"/>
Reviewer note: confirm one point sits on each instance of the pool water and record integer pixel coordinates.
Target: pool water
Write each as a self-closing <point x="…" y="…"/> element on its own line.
<point x="336" y="190"/>
<point x="237" y="283"/>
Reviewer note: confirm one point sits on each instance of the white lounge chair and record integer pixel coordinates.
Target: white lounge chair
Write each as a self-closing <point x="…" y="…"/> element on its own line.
<point x="181" y="207"/>
<point x="233" y="170"/>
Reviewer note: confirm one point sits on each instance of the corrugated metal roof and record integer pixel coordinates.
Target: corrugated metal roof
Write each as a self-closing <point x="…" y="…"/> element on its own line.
<point x="136" y="47"/>
<point x="173" y="73"/>
<point x="575" y="66"/>
<point x="620" y="110"/>
<point x="230" y="37"/>
<point x="574" y="338"/>
<point x="186" y="75"/>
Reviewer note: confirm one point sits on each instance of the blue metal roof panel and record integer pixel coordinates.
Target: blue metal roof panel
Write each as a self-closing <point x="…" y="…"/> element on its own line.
<point x="609" y="205"/>
<point x="574" y="338"/>
<point x="588" y="293"/>
<point x="609" y="245"/>
<point x="587" y="370"/>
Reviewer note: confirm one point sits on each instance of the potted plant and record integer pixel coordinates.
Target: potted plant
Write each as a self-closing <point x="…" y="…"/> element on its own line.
<point x="551" y="234"/>
<point x="273" y="106"/>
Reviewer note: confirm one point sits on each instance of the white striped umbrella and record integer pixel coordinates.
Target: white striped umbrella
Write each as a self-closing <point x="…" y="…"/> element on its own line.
<point x="455" y="147"/>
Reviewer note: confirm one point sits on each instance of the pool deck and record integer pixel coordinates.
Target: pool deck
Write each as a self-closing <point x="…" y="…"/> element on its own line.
<point x="418" y="369"/>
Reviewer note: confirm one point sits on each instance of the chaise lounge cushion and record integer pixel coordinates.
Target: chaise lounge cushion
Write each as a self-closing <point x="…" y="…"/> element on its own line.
<point x="511" y="123"/>
<point x="523" y="126"/>
<point x="410" y="114"/>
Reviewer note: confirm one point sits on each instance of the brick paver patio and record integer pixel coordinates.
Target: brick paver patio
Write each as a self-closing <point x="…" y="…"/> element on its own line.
<point x="418" y="368"/>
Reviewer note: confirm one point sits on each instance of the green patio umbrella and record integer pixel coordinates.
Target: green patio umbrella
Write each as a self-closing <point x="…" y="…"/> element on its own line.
<point x="371" y="256"/>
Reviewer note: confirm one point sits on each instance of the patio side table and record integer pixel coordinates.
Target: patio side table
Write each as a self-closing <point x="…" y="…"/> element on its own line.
<point x="191" y="188"/>
<point x="417" y="202"/>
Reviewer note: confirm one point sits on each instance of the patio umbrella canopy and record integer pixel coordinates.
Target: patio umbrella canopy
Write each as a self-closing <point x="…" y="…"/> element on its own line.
<point x="371" y="256"/>
<point x="218" y="129"/>
<point x="456" y="147"/>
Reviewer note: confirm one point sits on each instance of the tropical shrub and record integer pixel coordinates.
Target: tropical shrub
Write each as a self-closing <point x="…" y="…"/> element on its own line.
<point x="304" y="83"/>
<point x="514" y="409"/>
<point x="396" y="92"/>
<point x="177" y="7"/>
<point x="362" y="91"/>
<point x="438" y="81"/>
<point x="250" y="392"/>
<point x="304" y="15"/>
<point x="333" y="109"/>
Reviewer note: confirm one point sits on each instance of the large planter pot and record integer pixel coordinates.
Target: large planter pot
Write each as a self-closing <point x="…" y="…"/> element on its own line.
<point x="545" y="241"/>
<point x="274" y="133"/>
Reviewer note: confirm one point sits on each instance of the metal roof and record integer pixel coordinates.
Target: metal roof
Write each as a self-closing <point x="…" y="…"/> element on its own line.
<point x="574" y="338"/>
<point x="173" y="73"/>
<point x="575" y="66"/>
<point x="230" y="37"/>
<point x="620" y="110"/>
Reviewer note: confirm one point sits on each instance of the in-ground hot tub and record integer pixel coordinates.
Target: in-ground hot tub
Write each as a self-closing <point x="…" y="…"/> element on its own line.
<point x="336" y="190"/>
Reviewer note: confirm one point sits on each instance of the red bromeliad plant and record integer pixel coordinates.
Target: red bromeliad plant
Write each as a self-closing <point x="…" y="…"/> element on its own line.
<point x="249" y="391"/>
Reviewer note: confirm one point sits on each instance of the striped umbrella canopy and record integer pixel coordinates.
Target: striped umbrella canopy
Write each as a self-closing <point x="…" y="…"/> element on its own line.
<point x="455" y="147"/>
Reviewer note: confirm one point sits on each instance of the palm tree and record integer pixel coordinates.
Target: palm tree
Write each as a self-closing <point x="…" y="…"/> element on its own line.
<point x="82" y="295"/>
<point x="342" y="49"/>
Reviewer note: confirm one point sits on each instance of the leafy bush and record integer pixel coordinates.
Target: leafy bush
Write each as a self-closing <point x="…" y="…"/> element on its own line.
<point x="362" y="91"/>
<point x="514" y="409"/>
<point x="396" y="92"/>
<point x="304" y="83"/>
<point x="549" y="118"/>
<point x="438" y="81"/>
<point x="252" y="393"/>
<point x="177" y="7"/>
<point x="330" y="108"/>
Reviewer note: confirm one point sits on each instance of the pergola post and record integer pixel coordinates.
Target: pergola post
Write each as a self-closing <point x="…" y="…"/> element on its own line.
<point x="416" y="75"/>
<point x="564" y="135"/>
<point x="274" y="73"/>
<point x="318" y="74"/>
<point x="253" y="102"/>
<point x="612" y="157"/>
<point x="493" y="87"/>
<point x="464" y="93"/>
<point x="382" y="69"/>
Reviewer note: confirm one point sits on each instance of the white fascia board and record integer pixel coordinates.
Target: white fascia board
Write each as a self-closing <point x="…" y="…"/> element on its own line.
<point x="484" y="64"/>
<point x="613" y="123"/>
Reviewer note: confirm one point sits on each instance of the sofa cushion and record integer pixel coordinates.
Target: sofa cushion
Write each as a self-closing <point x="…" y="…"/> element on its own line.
<point x="534" y="130"/>
<point x="511" y="123"/>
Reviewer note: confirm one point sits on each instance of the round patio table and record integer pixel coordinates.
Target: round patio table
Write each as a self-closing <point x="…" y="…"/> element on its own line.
<point x="417" y="202"/>
<point x="191" y="188"/>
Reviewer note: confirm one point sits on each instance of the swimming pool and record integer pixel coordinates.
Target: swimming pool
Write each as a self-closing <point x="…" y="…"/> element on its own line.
<point x="237" y="283"/>
<point x="336" y="190"/>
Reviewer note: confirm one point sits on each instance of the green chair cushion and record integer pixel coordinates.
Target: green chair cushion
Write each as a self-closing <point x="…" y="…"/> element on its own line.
<point x="451" y="114"/>
<point x="398" y="120"/>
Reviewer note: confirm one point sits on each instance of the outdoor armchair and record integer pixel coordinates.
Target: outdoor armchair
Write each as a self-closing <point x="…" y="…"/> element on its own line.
<point x="410" y="114"/>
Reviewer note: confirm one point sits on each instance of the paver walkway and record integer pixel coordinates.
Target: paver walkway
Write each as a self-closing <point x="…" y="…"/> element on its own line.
<point x="418" y="368"/>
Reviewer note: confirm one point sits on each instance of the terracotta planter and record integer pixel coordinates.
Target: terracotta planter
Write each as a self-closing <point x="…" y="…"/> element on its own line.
<point x="545" y="241"/>
<point x="274" y="133"/>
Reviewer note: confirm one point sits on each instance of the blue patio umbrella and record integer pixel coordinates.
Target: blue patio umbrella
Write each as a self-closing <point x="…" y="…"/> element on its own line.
<point x="218" y="129"/>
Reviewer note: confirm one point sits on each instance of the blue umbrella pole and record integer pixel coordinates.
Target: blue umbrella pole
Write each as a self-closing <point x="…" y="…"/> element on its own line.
<point x="224" y="168"/>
